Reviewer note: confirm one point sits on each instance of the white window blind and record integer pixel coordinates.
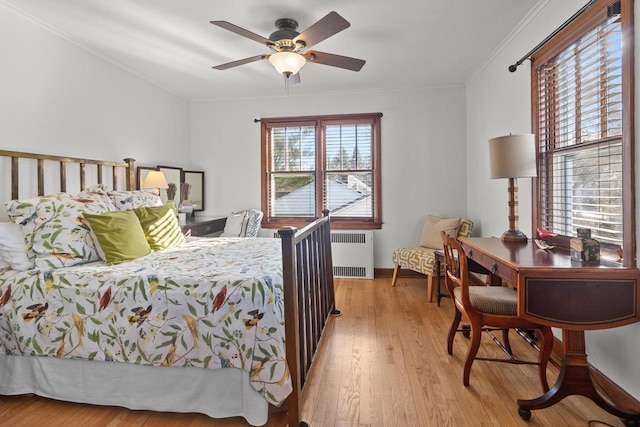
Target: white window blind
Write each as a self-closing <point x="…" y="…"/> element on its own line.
<point x="579" y="129"/>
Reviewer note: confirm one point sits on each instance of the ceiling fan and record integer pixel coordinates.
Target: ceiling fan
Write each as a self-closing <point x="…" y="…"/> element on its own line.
<point x="289" y="46"/>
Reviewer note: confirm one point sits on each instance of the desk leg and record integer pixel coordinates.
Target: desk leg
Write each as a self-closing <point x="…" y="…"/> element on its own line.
<point x="575" y="378"/>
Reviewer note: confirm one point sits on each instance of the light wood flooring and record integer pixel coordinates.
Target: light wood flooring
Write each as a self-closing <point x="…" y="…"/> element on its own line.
<point x="382" y="363"/>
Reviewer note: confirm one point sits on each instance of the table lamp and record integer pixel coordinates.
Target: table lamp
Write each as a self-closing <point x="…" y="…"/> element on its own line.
<point x="155" y="179"/>
<point x="513" y="156"/>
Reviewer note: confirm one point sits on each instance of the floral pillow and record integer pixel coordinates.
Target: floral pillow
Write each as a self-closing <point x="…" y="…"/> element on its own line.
<point x="124" y="200"/>
<point x="58" y="235"/>
<point x="23" y="210"/>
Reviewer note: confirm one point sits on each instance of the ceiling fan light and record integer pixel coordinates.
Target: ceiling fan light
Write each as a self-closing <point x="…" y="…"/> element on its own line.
<point x="287" y="62"/>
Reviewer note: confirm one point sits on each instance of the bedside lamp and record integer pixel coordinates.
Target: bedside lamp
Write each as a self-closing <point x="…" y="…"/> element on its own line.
<point x="155" y="179"/>
<point x="512" y="157"/>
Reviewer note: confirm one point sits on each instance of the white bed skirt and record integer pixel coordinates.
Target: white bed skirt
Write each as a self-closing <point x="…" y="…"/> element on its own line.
<point x="217" y="393"/>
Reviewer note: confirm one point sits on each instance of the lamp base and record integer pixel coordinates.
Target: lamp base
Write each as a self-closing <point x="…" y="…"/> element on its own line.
<point x="515" y="236"/>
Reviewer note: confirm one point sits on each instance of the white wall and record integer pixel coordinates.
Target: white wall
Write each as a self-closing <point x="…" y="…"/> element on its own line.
<point x="57" y="98"/>
<point x="498" y="103"/>
<point x="423" y="135"/>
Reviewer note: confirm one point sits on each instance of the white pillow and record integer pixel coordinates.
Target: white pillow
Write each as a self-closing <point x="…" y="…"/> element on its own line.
<point x="235" y="224"/>
<point x="13" y="249"/>
<point x="431" y="237"/>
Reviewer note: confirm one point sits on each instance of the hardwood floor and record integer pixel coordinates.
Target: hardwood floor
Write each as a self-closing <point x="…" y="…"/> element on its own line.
<point x="382" y="363"/>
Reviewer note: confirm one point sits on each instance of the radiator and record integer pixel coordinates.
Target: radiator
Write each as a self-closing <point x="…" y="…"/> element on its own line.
<point x="352" y="253"/>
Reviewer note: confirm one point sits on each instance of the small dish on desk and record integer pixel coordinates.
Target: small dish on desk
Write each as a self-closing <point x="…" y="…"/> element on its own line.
<point x="542" y="244"/>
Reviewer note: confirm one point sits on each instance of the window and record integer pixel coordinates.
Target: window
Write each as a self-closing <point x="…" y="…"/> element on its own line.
<point x="310" y="164"/>
<point x="583" y="101"/>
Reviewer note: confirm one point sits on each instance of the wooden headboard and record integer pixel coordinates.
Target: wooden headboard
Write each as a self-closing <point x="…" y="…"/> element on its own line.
<point x="101" y="165"/>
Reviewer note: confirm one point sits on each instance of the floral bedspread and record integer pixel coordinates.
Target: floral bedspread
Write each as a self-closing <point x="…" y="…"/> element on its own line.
<point x="209" y="303"/>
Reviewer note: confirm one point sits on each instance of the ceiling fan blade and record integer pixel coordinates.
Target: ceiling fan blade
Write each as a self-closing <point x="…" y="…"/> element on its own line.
<point x="339" y="61"/>
<point x="241" y="62"/>
<point x="241" y="31"/>
<point x="323" y="29"/>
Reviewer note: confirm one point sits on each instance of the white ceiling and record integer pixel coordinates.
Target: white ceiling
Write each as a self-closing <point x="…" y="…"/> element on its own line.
<point x="406" y="43"/>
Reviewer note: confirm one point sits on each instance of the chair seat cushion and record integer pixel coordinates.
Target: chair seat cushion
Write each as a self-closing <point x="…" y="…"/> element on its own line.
<point x="492" y="299"/>
<point x="417" y="258"/>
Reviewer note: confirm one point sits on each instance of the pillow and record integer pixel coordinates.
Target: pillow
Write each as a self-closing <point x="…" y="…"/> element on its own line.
<point x="251" y="225"/>
<point x="13" y="250"/>
<point x="431" y="237"/>
<point x="24" y="210"/>
<point x="119" y="236"/>
<point x="58" y="235"/>
<point x="235" y="224"/>
<point x="124" y="200"/>
<point x="160" y="226"/>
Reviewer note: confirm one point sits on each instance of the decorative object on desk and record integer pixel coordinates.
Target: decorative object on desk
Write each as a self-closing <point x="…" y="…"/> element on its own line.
<point x="545" y="234"/>
<point x="154" y="179"/>
<point x="171" y="191"/>
<point x="185" y="188"/>
<point x="512" y="157"/>
<point x="187" y="210"/>
<point x="583" y="247"/>
<point x="543" y="245"/>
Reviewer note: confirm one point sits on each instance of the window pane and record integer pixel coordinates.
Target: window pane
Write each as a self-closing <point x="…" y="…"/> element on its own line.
<point x="293" y="195"/>
<point x="350" y="194"/>
<point x="584" y="190"/>
<point x="348" y="147"/>
<point x="293" y="148"/>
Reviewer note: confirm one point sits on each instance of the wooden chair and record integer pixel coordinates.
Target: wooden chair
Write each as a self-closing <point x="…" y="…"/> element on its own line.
<point x="487" y="307"/>
<point x="422" y="258"/>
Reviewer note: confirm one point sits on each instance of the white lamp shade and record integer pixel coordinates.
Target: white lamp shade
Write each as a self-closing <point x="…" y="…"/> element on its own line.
<point x="513" y="156"/>
<point x="155" y="179"/>
<point x="287" y="62"/>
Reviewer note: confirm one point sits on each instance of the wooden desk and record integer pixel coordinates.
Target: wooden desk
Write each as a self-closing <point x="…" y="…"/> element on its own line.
<point x="555" y="290"/>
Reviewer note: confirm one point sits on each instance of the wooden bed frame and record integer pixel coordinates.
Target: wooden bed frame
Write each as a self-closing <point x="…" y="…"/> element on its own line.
<point x="306" y="264"/>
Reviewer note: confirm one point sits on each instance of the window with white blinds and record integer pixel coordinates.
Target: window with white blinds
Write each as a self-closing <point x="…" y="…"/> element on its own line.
<point x="578" y="119"/>
<point x="323" y="162"/>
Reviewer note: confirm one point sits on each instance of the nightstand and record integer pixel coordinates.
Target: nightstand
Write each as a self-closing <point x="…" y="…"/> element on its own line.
<point x="202" y="225"/>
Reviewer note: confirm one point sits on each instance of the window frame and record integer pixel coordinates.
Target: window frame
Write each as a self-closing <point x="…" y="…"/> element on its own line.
<point x="584" y="23"/>
<point x="320" y="121"/>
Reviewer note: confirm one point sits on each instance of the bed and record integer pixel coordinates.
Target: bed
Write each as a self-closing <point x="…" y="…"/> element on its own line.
<point x="195" y="326"/>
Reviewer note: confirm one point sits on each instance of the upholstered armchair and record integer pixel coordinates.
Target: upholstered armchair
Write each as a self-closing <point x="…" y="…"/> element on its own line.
<point x="422" y="258"/>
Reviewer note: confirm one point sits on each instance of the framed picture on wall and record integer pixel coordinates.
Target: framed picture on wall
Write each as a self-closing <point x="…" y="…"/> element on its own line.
<point x="193" y="182"/>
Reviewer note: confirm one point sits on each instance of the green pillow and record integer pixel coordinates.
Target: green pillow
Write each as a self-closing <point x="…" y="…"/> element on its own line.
<point x="160" y="225"/>
<point x="119" y="236"/>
